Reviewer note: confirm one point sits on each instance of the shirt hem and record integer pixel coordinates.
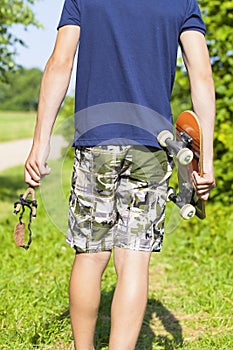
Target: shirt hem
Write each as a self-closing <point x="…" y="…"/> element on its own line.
<point x="90" y="143"/>
<point x="78" y="24"/>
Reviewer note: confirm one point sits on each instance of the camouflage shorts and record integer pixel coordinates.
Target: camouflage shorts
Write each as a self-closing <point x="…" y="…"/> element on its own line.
<point x="118" y="198"/>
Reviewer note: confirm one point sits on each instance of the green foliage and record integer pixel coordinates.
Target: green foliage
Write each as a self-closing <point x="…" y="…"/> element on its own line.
<point x="21" y="91"/>
<point x="12" y="12"/>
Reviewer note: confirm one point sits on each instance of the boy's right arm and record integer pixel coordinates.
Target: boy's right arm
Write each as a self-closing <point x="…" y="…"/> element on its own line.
<point x="54" y="85"/>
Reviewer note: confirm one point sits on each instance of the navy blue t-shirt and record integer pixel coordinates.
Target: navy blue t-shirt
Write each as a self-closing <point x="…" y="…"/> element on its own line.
<point x="127" y="54"/>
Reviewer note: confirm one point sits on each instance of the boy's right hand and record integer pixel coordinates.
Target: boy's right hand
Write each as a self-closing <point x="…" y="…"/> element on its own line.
<point x="35" y="166"/>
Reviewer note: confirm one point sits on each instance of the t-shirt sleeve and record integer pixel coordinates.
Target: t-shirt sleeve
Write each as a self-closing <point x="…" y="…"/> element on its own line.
<point x="193" y="19"/>
<point x="70" y="14"/>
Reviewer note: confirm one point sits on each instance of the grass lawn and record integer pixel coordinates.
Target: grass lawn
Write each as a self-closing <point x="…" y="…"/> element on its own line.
<point x="190" y="296"/>
<point x="16" y="125"/>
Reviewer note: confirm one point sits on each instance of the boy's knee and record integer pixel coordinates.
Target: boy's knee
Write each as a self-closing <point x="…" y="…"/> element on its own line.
<point x="99" y="259"/>
<point x="130" y="261"/>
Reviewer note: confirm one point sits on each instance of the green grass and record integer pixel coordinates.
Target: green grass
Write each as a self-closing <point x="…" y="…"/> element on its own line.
<point x="16" y="125"/>
<point x="190" y="295"/>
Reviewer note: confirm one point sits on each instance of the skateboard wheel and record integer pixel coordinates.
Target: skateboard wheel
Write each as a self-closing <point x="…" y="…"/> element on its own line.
<point x="185" y="156"/>
<point x="187" y="211"/>
<point x="170" y="193"/>
<point x="163" y="136"/>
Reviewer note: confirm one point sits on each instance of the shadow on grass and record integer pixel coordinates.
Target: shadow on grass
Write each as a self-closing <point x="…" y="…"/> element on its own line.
<point x="173" y="340"/>
<point x="148" y="338"/>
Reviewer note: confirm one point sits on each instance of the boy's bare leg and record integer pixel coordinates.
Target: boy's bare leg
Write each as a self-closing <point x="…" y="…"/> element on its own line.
<point x="84" y="296"/>
<point x="130" y="297"/>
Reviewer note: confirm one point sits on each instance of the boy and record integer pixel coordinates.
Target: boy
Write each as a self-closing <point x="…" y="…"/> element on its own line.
<point x="127" y="54"/>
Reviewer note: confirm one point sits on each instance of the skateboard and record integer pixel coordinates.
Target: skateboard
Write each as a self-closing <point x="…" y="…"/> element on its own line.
<point x="187" y="149"/>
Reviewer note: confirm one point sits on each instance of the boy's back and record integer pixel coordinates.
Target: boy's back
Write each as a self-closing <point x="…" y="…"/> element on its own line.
<point x="128" y="52"/>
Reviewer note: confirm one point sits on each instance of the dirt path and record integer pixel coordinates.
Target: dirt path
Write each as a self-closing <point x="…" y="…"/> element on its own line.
<point x="14" y="153"/>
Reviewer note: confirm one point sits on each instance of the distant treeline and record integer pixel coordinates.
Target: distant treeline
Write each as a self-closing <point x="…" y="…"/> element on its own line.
<point x="21" y="91"/>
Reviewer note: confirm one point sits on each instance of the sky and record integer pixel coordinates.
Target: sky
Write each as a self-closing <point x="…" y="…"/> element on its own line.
<point x="40" y="42"/>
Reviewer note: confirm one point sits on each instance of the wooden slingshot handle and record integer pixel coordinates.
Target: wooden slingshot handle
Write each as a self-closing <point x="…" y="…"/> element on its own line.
<point x="29" y="191"/>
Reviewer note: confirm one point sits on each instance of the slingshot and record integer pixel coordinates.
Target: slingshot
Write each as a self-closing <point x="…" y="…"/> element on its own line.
<point x="19" y="231"/>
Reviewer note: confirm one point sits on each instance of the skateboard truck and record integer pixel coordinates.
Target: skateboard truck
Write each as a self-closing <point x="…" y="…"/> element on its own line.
<point x="187" y="210"/>
<point x="179" y="148"/>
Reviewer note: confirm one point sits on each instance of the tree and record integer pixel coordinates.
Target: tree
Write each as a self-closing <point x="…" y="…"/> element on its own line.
<point x="21" y="92"/>
<point x="12" y="12"/>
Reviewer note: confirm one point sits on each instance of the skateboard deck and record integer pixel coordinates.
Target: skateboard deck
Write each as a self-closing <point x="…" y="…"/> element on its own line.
<point x="187" y="149"/>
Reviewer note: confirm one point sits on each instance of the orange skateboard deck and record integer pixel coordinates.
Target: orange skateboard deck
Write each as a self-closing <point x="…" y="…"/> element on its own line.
<point x="187" y="149"/>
